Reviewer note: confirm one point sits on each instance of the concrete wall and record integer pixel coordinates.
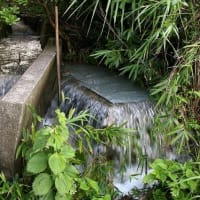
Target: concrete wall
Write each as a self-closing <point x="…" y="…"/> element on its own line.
<point x="36" y="87"/>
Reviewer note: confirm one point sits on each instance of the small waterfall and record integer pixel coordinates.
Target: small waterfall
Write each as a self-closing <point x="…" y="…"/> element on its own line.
<point x="111" y="100"/>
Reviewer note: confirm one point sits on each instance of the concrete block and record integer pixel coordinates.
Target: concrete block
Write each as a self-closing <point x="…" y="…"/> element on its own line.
<point x="36" y="87"/>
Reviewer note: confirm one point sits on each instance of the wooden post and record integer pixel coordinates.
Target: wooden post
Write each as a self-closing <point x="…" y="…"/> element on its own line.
<point x="58" y="53"/>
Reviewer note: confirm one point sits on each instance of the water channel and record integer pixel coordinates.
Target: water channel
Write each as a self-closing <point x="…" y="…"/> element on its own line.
<point x="17" y="52"/>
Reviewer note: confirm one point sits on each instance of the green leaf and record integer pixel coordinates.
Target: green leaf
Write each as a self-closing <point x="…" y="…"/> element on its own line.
<point x="61" y="184"/>
<point x="71" y="171"/>
<point x="189" y="173"/>
<point x="149" y="178"/>
<point x="173" y="176"/>
<point x="84" y="185"/>
<point x="160" y="163"/>
<point x="193" y="185"/>
<point x="68" y="151"/>
<point x="61" y="117"/>
<point x="57" y="163"/>
<point x="62" y="197"/>
<point x="38" y="163"/>
<point x="107" y="197"/>
<point x="93" y="184"/>
<point x="56" y="140"/>
<point x="42" y="184"/>
<point x="40" y="141"/>
<point x="65" y="184"/>
<point x="49" y="196"/>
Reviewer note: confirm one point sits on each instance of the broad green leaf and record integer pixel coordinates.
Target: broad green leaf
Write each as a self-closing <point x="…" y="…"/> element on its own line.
<point x="57" y="163"/>
<point x="40" y="141"/>
<point x="42" y="184"/>
<point x="84" y="185"/>
<point x="63" y="197"/>
<point x="93" y="184"/>
<point x="49" y="196"/>
<point x="63" y="184"/>
<point x="71" y="171"/>
<point x="71" y="184"/>
<point x="38" y="163"/>
<point x="68" y="151"/>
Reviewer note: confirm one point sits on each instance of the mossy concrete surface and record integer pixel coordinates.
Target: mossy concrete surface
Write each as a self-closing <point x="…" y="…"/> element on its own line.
<point x="36" y="87"/>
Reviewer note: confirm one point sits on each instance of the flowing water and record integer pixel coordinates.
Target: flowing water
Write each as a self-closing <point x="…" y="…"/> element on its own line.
<point x="6" y="82"/>
<point x="111" y="100"/>
<point x="17" y="52"/>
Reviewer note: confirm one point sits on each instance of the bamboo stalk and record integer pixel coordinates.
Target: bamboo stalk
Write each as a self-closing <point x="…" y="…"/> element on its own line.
<point x="58" y="53"/>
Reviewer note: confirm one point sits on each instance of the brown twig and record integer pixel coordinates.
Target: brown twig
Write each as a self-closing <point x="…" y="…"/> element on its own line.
<point x="58" y="53"/>
<point x="49" y="14"/>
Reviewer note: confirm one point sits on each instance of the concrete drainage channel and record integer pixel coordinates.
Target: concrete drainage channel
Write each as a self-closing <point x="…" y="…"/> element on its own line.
<point x="35" y="88"/>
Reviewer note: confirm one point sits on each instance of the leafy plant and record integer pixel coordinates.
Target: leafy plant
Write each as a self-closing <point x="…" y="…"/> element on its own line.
<point x="179" y="180"/>
<point x="9" y="11"/>
<point x="10" y="190"/>
<point x="51" y="160"/>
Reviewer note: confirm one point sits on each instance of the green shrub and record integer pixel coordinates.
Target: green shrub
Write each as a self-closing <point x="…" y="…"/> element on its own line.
<point x="175" y="180"/>
<point x="51" y="162"/>
<point x="10" y="10"/>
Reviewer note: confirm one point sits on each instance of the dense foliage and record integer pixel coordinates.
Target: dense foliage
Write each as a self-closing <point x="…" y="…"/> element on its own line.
<point x="56" y="170"/>
<point x="9" y="10"/>
<point x="155" y="42"/>
<point x="178" y="181"/>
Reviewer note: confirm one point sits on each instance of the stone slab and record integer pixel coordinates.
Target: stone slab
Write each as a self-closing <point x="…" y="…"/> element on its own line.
<point x="109" y="85"/>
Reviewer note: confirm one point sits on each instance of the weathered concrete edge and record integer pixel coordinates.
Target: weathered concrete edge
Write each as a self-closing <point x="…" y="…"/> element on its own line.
<point x="35" y="87"/>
